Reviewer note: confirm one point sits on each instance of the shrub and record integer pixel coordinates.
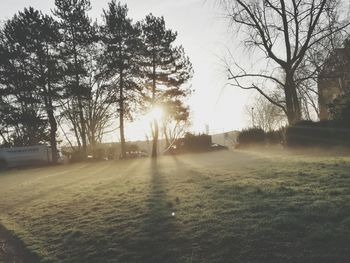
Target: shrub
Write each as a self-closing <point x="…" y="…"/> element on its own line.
<point x="323" y="133"/>
<point x="251" y="136"/>
<point x="191" y="143"/>
<point x="197" y="142"/>
<point x="299" y="134"/>
<point x="76" y="157"/>
<point x="132" y="147"/>
<point x="112" y="153"/>
<point x="274" y="137"/>
<point x="99" y="154"/>
<point x="340" y="109"/>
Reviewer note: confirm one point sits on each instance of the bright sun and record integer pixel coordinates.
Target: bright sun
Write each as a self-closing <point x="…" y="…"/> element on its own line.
<point x="141" y="128"/>
<point x="156" y="113"/>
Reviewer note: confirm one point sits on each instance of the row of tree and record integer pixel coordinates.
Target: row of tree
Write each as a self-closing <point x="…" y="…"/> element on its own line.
<point x="64" y="71"/>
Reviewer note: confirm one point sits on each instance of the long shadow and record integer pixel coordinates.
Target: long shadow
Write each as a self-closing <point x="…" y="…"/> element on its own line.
<point x="159" y="240"/>
<point x="18" y="251"/>
<point x="269" y="223"/>
<point x="41" y="194"/>
<point x="76" y="243"/>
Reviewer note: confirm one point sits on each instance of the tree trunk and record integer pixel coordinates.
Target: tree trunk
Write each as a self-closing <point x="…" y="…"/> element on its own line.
<point x="76" y="130"/>
<point x="155" y="122"/>
<point x="92" y="142"/>
<point x="80" y="104"/>
<point x="53" y="131"/>
<point x="155" y="139"/>
<point x="51" y="116"/>
<point x="83" y="127"/>
<point x="166" y="136"/>
<point x="292" y="101"/>
<point x="121" y="116"/>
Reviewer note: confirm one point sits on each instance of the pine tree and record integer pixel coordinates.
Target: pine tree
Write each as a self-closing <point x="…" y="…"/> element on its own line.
<point x="26" y="121"/>
<point x="121" y="39"/>
<point x="165" y="68"/>
<point x="4" y="107"/>
<point x="77" y="36"/>
<point x="42" y="39"/>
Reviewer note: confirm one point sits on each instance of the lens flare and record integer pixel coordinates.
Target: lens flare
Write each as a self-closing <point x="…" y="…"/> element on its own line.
<point x="155" y="114"/>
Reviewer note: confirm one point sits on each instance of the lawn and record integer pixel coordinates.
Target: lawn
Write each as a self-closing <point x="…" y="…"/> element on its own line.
<point x="242" y="206"/>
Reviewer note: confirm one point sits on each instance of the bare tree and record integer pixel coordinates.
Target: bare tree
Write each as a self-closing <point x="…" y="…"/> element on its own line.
<point x="97" y="109"/>
<point x="69" y="116"/>
<point x="175" y="122"/>
<point x="284" y="31"/>
<point x="99" y="115"/>
<point x="265" y="115"/>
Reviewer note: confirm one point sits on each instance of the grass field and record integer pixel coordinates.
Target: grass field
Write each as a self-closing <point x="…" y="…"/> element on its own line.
<point x="215" y="207"/>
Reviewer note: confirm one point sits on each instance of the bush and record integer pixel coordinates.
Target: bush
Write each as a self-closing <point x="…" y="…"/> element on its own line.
<point x="99" y="154"/>
<point x="191" y="143"/>
<point x="340" y="109"/>
<point x="132" y="147"/>
<point x="76" y="157"/>
<point x="251" y="136"/>
<point x="323" y="133"/>
<point x="112" y="153"/>
<point x="197" y="142"/>
<point x="274" y="137"/>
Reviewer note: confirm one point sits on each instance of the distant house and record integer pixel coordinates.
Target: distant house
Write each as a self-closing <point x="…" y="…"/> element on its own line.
<point x="333" y="80"/>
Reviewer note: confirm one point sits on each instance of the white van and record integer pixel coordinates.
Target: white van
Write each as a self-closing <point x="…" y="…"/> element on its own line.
<point x="23" y="156"/>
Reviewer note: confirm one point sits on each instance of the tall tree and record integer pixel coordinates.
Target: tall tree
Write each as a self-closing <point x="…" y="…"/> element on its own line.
<point x="78" y="34"/>
<point x="42" y="39"/>
<point x="20" y="75"/>
<point x="121" y="40"/>
<point x="165" y="68"/>
<point x="4" y="107"/>
<point x="284" y="31"/>
<point x="99" y="109"/>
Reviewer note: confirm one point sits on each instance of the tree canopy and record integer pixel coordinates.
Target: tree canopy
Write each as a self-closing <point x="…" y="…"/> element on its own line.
<point x="65" y="76"/>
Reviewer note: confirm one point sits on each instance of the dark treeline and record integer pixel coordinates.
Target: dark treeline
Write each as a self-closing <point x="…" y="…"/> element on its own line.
<point x="65" y="73"/>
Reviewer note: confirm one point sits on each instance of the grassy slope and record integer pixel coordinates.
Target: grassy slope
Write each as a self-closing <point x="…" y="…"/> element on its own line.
<point x="229" y="207"/>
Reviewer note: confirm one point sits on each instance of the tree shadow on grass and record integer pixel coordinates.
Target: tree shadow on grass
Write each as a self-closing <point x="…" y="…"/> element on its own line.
<point x="12" y="249"/>
<point x="267" y="222"/>
<point x="158" y="239"/>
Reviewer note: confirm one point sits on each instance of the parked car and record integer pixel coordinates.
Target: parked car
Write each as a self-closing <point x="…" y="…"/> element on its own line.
<point x="217" y="147"/>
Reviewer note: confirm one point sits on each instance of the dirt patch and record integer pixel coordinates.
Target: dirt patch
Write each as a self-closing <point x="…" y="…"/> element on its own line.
<point x="13" y="250"/>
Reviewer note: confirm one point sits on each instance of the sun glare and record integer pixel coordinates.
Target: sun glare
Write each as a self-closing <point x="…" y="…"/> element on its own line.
<point x="156" y="113"/>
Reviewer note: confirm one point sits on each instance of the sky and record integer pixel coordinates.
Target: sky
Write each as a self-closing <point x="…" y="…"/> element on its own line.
<point x="204" y="34"/>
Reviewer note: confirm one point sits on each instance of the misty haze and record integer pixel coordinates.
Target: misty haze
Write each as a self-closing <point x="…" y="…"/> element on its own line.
<point x="174" y="131"/>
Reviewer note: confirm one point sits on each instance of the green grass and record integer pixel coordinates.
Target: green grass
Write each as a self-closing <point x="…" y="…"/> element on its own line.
<point x="229" y="207"/>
